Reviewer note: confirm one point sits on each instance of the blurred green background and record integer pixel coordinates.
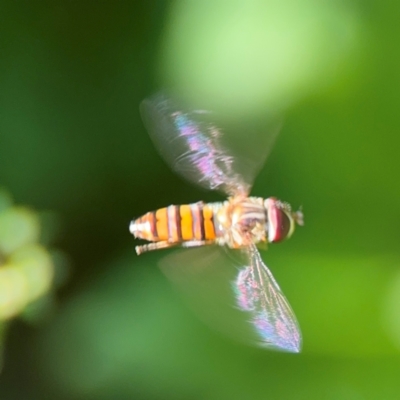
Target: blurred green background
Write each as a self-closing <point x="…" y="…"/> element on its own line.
<point x="72" y="75"/>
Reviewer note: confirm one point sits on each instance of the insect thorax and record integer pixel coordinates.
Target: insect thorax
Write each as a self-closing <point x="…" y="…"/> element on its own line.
<point x="241" y="221"/>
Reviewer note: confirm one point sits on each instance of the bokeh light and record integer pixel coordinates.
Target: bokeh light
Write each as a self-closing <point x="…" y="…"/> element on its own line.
<point x="258" y="55"/>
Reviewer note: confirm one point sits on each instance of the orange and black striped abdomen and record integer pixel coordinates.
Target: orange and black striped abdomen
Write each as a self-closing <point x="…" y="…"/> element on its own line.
<point x="176" y="224"/>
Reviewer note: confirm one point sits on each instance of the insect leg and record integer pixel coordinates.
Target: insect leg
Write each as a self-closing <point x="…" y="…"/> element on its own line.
<point x="153" y="246"/>
<point x="196" y="243"/>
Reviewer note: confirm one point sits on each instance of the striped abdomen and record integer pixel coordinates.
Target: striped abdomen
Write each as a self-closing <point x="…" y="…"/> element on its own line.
<point x="177" y="223"/>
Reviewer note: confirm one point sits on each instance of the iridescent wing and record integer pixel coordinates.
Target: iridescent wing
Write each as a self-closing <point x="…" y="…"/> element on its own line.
<point x="244" y="303"/>
<point x="259" y="295"/>
<point x="197" y="150"/>
<point x="204" y="277"/>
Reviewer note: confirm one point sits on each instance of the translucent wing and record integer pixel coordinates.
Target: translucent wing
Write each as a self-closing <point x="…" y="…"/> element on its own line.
<point x="225" y="297"/>
<point x="204" y="277"/>
<point x="259" y="295"/>
<point x="197" y="150"/>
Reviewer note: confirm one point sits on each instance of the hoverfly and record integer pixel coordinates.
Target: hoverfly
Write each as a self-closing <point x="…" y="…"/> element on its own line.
<point x="193" y="147"/>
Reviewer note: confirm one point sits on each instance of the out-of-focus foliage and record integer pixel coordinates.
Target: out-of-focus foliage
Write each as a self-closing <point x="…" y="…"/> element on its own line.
<point x="72" y="75"/>
<point x="27" y="268"/>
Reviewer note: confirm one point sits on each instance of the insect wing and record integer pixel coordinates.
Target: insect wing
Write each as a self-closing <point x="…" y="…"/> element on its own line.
<point x="259" y="296"/>
<point x="204" y="277"/>
<point x="197" y="150"/>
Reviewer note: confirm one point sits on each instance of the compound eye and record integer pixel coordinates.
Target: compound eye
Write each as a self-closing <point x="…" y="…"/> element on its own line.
<point x="279" y="222"/>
